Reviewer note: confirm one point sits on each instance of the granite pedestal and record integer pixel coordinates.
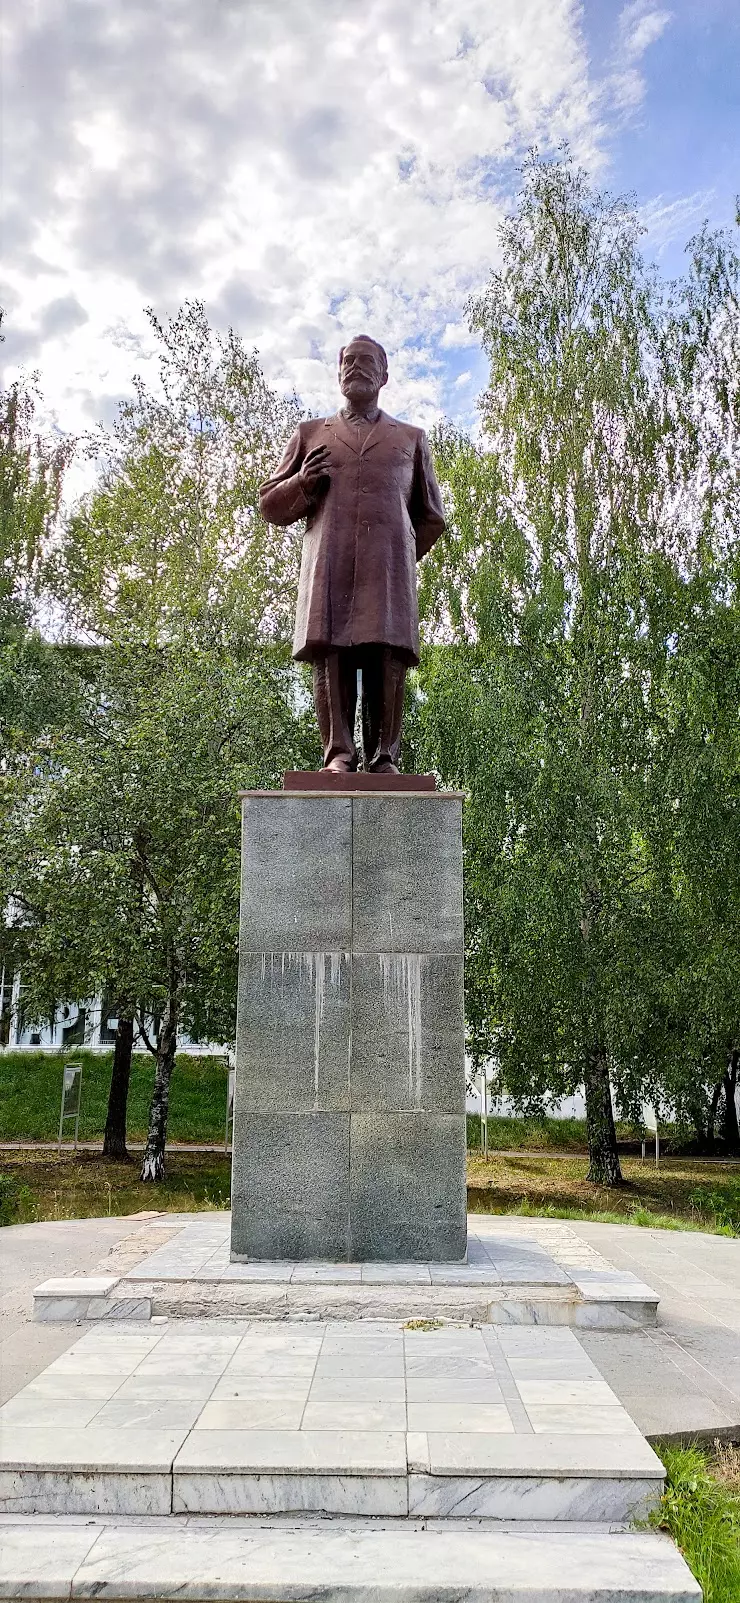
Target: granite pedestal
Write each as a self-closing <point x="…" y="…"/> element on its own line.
<point x="349" y="1114"/>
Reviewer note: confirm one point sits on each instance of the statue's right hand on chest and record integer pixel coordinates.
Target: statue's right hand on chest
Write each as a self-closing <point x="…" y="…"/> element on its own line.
<point x="315" y="467"/>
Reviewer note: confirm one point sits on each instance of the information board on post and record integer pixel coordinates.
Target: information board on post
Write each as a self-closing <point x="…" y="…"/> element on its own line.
<point x="71" y="1100"/>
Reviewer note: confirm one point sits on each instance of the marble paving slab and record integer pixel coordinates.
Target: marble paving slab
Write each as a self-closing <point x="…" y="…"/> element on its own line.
<point x="95" y="1286"/>
<point x="295" y="1562"/>
<point x="237" y="1417"/>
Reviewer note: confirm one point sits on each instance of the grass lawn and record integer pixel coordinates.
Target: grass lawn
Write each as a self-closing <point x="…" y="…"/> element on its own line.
<point x="30" y="1091"/>
<point x="682" y="1193"/>
<point x="537" y="1135"/>
<point x="46" y="1186"/>
<point x="31" y="1088"/>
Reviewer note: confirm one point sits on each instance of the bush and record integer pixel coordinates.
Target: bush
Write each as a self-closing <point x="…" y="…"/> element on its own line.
<point x="724" y="1208"/>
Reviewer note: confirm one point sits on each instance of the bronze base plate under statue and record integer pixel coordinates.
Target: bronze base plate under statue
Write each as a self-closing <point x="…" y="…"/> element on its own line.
<point x="327" y="779"/>
<point x="349" y="1115"/>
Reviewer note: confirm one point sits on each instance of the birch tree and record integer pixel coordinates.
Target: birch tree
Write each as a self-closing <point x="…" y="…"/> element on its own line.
<point x="34" y="684"/>
<point x="574" y="525"/>
<point x="184" y="595"/>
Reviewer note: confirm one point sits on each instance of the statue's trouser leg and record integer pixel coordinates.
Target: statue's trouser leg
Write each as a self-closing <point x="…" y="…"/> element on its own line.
<point x="383" y="682"/>
<point x="335" y="699"/>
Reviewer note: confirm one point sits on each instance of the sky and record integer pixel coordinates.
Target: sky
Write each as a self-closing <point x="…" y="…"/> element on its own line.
<point x="312" y="171"/>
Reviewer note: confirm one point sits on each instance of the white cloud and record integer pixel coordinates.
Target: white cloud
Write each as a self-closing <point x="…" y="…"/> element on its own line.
<point x="641" y="23"/>
<point x="308" y="171"/>
<point x="668" y="220"/>
<point x="456" y="334"/>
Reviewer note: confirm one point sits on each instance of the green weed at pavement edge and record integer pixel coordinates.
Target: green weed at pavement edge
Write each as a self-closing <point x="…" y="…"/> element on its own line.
<point x="17" y="1202"/>
<point x="703" y="1517"/>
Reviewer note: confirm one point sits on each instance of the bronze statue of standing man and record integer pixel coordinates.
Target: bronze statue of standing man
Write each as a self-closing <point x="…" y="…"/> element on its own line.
<point x="365" y="484"/>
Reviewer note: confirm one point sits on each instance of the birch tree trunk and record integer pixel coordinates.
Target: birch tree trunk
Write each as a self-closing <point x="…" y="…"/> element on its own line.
<point x="114" y="1139"/>
<point x="712" y="1121"/>
<point x="604" y="1168"/>
<point x="731" y="1127"/>
<point x="152" y="1167"/>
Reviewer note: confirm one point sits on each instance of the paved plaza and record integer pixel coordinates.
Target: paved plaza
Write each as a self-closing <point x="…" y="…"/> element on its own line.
<point x="680" y="1377"/>
<point x="358" y="1418"/>
<point x="476" y="1456"/>
<point x="683" y="1377"/>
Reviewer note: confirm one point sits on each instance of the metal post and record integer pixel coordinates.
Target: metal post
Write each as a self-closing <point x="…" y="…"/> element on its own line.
<point x="229" y="1106"/>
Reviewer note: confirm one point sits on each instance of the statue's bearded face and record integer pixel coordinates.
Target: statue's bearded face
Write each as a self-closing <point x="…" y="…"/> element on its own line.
<point x="361" y="372"/>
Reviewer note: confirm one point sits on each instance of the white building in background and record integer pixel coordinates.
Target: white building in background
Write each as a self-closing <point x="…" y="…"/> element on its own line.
<point x="90" y="1023"/>
<point x="503" y="1107"/>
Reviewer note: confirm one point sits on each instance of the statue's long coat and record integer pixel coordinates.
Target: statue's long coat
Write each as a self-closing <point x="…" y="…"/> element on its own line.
<point x="366" y="527"/>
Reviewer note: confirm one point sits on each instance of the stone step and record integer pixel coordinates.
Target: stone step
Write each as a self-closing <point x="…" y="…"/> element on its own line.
<point x="363" y="1473"/>
<point x="336" y="1561"/>
<point x="516" y="1272"/>
<point x="369" y="1419"/>
<point x="71" y="1300"/>
<point x="329" y="1472"/>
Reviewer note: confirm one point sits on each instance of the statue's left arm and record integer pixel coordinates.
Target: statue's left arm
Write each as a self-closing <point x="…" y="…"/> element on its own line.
<point x="425" y="508"/>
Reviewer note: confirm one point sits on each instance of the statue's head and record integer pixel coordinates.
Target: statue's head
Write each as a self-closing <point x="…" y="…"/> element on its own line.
<point x="363" y="370"/>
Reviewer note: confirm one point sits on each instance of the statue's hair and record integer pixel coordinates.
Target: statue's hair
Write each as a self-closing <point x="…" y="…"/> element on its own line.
<point x="366" y="339"/>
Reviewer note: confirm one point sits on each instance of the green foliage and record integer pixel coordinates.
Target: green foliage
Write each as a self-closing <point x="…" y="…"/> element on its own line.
<point x="34" y="683"/>
<point x="172" y="539"/>
<point x="703" y="1517"/>
<point x="32" y="469"/>
<point x="126" y="847"/>
<point x="699" y="756"/>
<point x="557" y="609"/>
<point x="723" y="1206"/>
<point x="31" y="472"/>
<point x="124" y="835"/>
